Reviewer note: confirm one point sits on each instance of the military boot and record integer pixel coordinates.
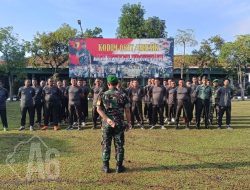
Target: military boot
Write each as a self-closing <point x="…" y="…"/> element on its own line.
<point x="119" y="167"/>
<point x="105" y="167"/>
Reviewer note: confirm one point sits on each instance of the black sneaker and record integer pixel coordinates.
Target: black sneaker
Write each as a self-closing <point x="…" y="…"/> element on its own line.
<point x="105" y="167"/>
<point x="21" y="128"/>
<point x="120" y="168"/>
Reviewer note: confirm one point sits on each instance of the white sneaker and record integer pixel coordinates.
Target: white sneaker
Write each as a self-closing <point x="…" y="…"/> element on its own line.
<point x="229" y="127"/>
<point x="168" y="123"/>
<point x="5" y="129"/>
<point x="152" y="127"/>
<point x="166" y="120"/>
<point x="142" y="127"/>
<point x="173" y="120"/>
<point x="83" y="124"/>
<point x="31" y="128"/>
<point x="162" y="127"/>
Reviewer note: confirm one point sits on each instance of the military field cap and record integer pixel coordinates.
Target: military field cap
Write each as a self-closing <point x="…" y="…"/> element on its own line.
<point x="215" y="80"/>
<point x="112" y="79"/>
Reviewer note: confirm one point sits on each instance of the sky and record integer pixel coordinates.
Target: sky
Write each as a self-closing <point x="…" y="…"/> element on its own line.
<point x="207" y="18"/>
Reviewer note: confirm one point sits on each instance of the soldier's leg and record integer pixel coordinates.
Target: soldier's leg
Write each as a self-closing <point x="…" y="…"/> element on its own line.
<point x="31" y="112"/>
<point x="71" y="115"/>
<point x="170" y="112"/>
<point x="166" y="109"/>
<point x="139" y="107"/>
<point x="161" y="114"/>
<point x="217" y="112"/>
<point x="23" y="115"/>
<point x="150" y="107"/>
<point x="86" y="112"/>
<point x="46" y="114"/>
<point x="145" y="111"/>
<point x="4" y="118"/>
<point x="191" y="109"/>
<point x="119" y="147"/>
<point x="206" y="112"/>
<point x="228" y="115"/>
<point x="198" y="113"/>
<point x="79" y="115"/>
<point x="39" y="113"/>
<point x="221" y="113"/>
<point x="83" y="106"/>
<point x="154" y="114"/>
<point x="106" y="143"/>
<point x="55" y="115"/>
<point x="187" y="111"/>
<point x="133" y="109"/>
<point x="94" y="116"/>
<point x="178" y="112"/>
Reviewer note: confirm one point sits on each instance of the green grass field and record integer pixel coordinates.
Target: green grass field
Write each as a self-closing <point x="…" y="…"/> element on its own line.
<point x="155" y="159"/>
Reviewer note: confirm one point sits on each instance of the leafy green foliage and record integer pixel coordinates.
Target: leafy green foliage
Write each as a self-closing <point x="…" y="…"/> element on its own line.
<point x="208" y="54"/>
<point x="95" y="33"/>
<point x="52" y="48"/>
<point x="132" y="23"/>
<point x="13" y="51"/>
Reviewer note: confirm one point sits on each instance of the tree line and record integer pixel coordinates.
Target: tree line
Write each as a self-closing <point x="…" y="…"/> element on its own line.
<point x="50" y="49"/>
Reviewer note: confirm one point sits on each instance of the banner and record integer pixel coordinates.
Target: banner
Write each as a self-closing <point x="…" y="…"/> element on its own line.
<point x="125" y="58"/>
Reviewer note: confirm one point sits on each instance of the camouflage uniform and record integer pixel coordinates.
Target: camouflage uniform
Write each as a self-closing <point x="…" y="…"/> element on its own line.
<point x="111" y="102"/>
<point x="214" y="106"/>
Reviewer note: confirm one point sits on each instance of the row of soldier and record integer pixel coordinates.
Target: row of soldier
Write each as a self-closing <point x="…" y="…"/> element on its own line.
<point x="205" y="98"/>
<point x="62" y="103"/>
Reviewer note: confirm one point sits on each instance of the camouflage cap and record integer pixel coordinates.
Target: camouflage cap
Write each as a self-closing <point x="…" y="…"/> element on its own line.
<point x="215" y="80"/>
<point x="112" y="79"/>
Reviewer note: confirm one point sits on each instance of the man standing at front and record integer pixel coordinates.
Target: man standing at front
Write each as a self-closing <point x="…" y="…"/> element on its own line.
<point x="203" y="93"/>
<point x="51" y="96"/>
<point x="26" y="93"/>
<point x="3" y="98"/>
<point x="74" y="94"/>
<point x="96" y="91"/>
<point x="225" y="95"/>
<point x="109" y="106"/>
<point x="157" y="93"/>
<point x="136" y="94"/>
<point x="37" y="100"/>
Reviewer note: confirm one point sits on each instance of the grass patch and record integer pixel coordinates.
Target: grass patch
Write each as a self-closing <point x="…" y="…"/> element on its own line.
<point x="155" y="159"/>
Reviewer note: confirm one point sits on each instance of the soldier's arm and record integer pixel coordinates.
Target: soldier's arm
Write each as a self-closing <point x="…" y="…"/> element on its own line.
<point x="6" y="94"/>
<point x="99" y="109"/>
<point x="19" y="92"/>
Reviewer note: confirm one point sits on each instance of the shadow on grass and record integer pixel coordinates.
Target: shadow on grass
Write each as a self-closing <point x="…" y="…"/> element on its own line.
<point x="15" y="148"/>
<point x="229" y="165"/>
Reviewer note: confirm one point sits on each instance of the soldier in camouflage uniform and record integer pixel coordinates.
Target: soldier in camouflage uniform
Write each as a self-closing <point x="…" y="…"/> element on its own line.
<point x="214" y="106"/>
<point x="108" y="106"/>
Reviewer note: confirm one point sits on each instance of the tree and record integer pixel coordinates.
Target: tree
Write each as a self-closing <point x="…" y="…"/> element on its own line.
<point x="13" y="54"/>
<point x="131" y="21"/>
<point x="154" y="27"/>
<point x="133" y="25"/>
<point x="185" y="38"/>
<point x="208" y="54"/>
<point x="95" y="33"/>
<point x="52" y="48"/>
<point x="237" y="56"/>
